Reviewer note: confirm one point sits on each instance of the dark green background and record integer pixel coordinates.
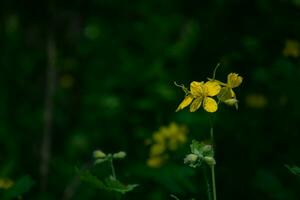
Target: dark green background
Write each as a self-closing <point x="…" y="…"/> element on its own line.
<point x="116" y="61"/>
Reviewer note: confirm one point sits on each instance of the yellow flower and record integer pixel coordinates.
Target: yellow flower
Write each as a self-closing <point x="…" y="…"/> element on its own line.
<point x="181" y="138"/>
<point x="167" y="138"/>
<point x="158" y="137"/>
<point x="201" y="93"/>
<point x="234" y="80"/>
<point x="67" y="81"/>
<point x="186" y="101"/>
<point x="6" y="183"/>
<point x="157" y="149"/>
<point x="256" y="100"/>
<point x="227" y="94"/>
<point x="291" y="49"/>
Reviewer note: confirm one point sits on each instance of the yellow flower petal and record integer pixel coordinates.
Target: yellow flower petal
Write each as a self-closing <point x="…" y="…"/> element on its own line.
<point x="234" y="80"/>
<point x="6" y="183"/>
<point x="212" y="88"/>
<point x="157" y="149"/>
<point x="196" y="104"/>
<point x="210" y="105"/>
<point x="158" y="138"/>
<point x="219" y="82"/>
<point x="232" y="93"/>
<point x="196" y="88"/>
<point x="181" y="138"/>
<point x="173" y="144"/>
<point x="256" y="100"/>
<point x="292" y="49"/>
<point x="186" y="101"/>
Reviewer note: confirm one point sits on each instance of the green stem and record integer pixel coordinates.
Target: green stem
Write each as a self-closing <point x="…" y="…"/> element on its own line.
<point x="213" y="182"/>
<point x="213" y="176"/>
<point x="112" y="168"/>
<point x="207" y="183"/>
<point x="215" y="70"/>
<point x="212" y="137"/>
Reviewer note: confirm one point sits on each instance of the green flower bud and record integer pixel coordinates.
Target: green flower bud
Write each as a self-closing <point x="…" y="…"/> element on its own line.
<point x="99" y="154"/>
<point x="190" y="158"/>
<point x="119" y="155"/>
<point x="209" y="160"/>
<point x="207" y="148"/>
<point x="100" y="160"/>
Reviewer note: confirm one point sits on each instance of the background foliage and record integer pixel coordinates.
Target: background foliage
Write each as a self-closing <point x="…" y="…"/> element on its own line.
<point x="115" y="64"/>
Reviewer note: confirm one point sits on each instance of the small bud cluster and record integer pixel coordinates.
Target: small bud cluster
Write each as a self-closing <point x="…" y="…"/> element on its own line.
<point x="101" y="157"/>
<point x="200" y="153"/>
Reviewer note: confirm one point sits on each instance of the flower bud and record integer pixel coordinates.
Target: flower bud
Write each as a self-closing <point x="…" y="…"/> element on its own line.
<point x="100" y="160"/>
<point x="190" y="158"/>
<point x="119" y="155"/>
<point x="234" y="80"/>
<point x="209" y="160"/>
<point x="99" y="154"/>
<point x="207" y="148"/>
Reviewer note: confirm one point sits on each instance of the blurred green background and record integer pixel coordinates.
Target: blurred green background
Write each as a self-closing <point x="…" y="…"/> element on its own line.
<point x="103" y="72"/>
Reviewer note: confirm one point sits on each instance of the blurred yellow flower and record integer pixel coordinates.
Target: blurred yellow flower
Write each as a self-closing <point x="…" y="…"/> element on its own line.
<point x="158" y="137"/>
<point x="167" y="138"/>
<point x="6" y="183"/>
<point x="256" y="100"/>
<point x="291" y="49"/>
<point x="157" y="149"/>
<point x="155" y="162"/>
<point x="201" y="93"/>
<point x="66" y="81"/>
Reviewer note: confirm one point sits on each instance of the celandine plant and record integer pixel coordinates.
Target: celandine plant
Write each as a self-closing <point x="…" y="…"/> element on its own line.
<point x="110" y="183"/>
<point x="209" y="94"/>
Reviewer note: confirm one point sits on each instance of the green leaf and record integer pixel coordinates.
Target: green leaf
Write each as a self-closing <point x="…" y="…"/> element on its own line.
<point x="196" y="148"/>
<point x="20" y="187"/>
<point x="174" y="197"/>
<point x="294" y="169"/>
<point x="86" y="176"/>
<point x="109" y="184"/>
<point x="115" y="185"/>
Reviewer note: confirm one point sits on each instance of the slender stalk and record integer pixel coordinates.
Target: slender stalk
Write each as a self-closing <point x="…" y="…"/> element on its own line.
<point x="212" y="137"/>
<point x="215" y="70"/>
<point x="213" y="176"/>
<point x="207" y="183"/>
<point x="48" y="113"/>
<point x="113" y="172"/>
<point x="213" y="182"/>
